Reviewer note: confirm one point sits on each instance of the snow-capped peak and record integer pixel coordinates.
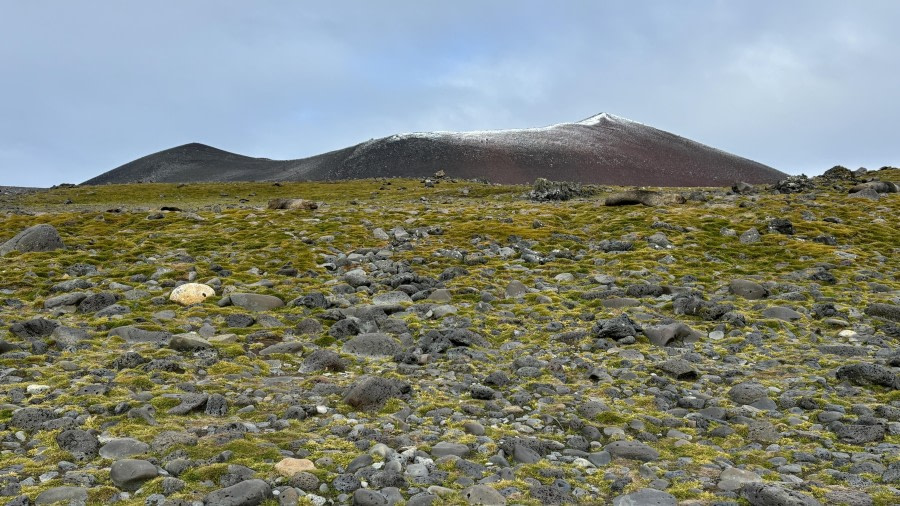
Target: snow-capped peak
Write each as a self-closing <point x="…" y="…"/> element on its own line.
<point x="603" y="116"/>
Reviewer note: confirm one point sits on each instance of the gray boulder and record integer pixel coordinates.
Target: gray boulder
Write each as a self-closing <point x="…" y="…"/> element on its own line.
<point x="748" y="289"/>
<point x="36" y="327"/>
<point x="765" y="494"/>
<point x="680" y="369"/>
<point x="323" y="360"/>
<point x="256" y="301"/>
<point x="748" y="393"/>
<point x="632" y="450"/>
<point x="67" y="495"/>
<point x="371" y="392"/>
<point x="646" y="497"/>
<point x="372" y="345"/>
<point x="869" y="374"/>
<point x="138" y="335"/>
<point x="750" y="236"/>
<point x="121" y="448"/>
<point x="366" y="497"/>
<point x="80" y="443"/>
<point x="877" y="186"/>
<point x="96" y="302"/>
<point x="130" y="474"/>
<point x="190" y="341"/>
<point x="886" y="311"/>
<point x="858" y="434"/>
<point x="31" y="418"/>
<point x="781" y="313"/>
<point x="484" y="495"/>
<point x="245" y="493"/>
<point x="37" y="238"/>
<point x="672" y="334"/>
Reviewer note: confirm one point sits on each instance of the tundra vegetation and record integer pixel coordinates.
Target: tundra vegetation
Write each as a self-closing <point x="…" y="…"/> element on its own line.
<point x="451" y="342"/>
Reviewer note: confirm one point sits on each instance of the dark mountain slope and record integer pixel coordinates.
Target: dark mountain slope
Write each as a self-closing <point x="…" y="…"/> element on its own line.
<point x="603" y="149"/>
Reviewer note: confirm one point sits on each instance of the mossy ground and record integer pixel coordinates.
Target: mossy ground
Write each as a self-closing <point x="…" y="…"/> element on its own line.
<point x="108" y="226"/>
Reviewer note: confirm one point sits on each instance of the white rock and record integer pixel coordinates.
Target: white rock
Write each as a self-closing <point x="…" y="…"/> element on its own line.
<point x="191" y="293"/>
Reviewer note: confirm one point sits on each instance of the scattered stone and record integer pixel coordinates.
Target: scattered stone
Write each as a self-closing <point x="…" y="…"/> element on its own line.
<point x="781" y="226"/>
<point x="515" y="289"/>
<point x="751" y="236"/>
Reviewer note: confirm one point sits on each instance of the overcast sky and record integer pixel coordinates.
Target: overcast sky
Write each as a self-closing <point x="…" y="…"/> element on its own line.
<point x="88" y="85"/>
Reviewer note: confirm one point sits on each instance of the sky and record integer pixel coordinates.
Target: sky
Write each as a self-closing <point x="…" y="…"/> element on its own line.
<point x="87" y="86"/>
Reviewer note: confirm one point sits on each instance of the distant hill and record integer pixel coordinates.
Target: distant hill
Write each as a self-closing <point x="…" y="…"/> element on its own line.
<point x="603" y="149"/>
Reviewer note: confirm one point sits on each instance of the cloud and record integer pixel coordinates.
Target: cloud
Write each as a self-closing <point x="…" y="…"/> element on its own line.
<point x="91" y="85"/>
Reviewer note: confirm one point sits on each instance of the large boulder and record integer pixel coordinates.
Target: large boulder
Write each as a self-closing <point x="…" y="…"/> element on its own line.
<point x="37" y="238"/>
<point x="645" y="197"/>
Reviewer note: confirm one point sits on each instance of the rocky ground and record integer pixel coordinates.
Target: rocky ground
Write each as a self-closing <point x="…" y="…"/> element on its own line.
<point x="439" y="342"/>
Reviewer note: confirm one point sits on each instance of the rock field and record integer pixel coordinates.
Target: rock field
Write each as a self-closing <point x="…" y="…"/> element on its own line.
<point x="441" y="342"/>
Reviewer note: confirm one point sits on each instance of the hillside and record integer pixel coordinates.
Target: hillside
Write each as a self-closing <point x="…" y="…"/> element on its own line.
<point x="450" y="343"/>
<point x="603" y="149"/>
